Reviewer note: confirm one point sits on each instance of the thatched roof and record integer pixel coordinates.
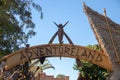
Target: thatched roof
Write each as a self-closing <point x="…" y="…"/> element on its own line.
<point x="107" y="33"/>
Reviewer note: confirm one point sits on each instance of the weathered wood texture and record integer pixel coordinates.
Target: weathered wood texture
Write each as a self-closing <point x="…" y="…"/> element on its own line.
<point x="107" y="33"/>
<point x="57" y="50"/>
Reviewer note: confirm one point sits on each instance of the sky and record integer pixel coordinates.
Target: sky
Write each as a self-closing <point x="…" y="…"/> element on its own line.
<point x="78" y="28"/>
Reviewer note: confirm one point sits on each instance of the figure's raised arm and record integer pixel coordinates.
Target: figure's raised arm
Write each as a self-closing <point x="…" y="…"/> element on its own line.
<point x="65" y="23"/>
<point x="55" y="24"/>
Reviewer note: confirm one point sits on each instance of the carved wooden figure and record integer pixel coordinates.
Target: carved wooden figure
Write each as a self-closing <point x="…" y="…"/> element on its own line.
<point x="60" y="34"/>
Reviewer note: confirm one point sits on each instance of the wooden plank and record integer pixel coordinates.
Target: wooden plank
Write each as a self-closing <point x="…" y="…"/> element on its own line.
<point x="57" y="50"/>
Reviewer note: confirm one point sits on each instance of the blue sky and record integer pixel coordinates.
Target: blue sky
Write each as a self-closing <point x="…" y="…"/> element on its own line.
<point x="78" y="28"/>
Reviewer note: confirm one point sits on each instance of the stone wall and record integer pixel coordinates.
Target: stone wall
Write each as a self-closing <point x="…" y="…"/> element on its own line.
<point x="43" y="76"/>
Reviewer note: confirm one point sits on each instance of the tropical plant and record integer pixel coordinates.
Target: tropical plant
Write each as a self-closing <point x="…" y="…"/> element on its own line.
<point x="16" y="25"/>
<point x="60" y="76"/>
<point x="36" y="67"/>
<point x="90" y="71"/>
<point x="30" y="70"/>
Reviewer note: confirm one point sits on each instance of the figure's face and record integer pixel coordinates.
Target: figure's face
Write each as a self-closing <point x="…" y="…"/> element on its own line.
<point x="60" y="25"/>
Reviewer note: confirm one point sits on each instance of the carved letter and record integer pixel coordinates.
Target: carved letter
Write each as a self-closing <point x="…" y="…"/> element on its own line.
<point x="29" y="54"/>
<point x="41" y="51"/>
<point x="67" y="50"/>
<point x="91" y="55"/>
<point x="60" y="49"/>
<point x="48" y="51"/>
<point x="84" y="54"/>
<point x="36" y="52"/>
<point x="55" y="48"/>
<point x="73" y="51"/>
<point x="22" y="56"/>
<point x="98" y="58"/>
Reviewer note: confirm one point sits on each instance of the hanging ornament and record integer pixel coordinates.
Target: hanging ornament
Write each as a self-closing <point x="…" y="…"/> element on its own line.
<point x="42" y="59"/>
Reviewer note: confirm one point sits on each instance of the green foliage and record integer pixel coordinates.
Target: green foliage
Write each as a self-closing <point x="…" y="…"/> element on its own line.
<point x="16" y="25"/>
<point x="95" y="47"/>
<point x="91" y="71"/>
<point x="60" y="76"/>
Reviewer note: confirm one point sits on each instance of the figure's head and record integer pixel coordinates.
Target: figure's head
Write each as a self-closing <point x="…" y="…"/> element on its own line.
<point x="60" y="25"/>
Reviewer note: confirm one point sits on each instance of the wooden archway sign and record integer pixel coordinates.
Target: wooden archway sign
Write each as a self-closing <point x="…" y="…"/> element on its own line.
<point x="56" y="50"/>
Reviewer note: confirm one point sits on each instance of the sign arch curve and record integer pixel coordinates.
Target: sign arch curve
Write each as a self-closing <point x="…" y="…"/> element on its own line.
<point x="56" y="50"/>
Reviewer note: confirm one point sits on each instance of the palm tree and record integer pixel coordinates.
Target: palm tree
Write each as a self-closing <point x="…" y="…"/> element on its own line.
<point x="30" y="70"/>
<point x="36" y="67"/>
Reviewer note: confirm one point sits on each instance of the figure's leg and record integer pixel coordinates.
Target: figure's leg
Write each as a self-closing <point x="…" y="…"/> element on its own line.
<point x="70" y="41"/>
<point x="51" y="40"/>
<point x="60" y="36"/>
